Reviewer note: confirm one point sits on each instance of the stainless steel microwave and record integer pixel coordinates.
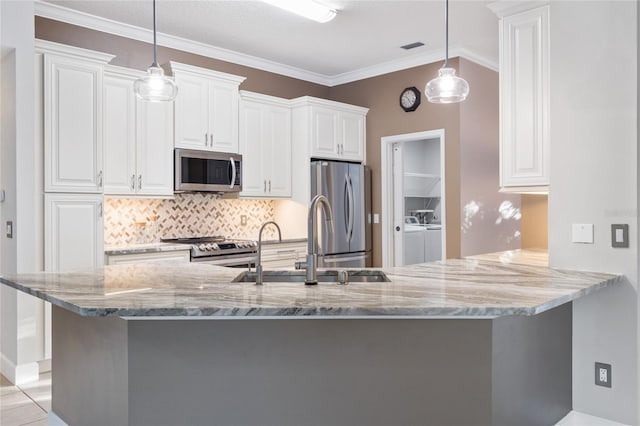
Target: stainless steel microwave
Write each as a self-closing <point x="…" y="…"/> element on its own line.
<point x="205" y="171"/>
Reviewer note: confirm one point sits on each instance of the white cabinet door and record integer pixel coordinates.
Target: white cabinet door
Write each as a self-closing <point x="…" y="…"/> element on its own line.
<point x="119" y="135"/>
<point x="73" y="125"/>
<point x="352" y="138"/>
<point x="324" y="132"/>
<point x="223" y="118"/>
<point x="524" y="97"/>
<point x="154" y="151"/>
<point x="254" y="181"/>
<point x="277" y="151"/>
<point x="192" y="112"/>
<point x="206" y="109"/>
<point x="74" y="235"/>
<point x="265" y="145"/>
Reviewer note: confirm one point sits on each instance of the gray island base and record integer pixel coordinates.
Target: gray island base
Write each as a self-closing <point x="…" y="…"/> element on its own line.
<point x="484" y="340"/>
<point x="512" y="370"/>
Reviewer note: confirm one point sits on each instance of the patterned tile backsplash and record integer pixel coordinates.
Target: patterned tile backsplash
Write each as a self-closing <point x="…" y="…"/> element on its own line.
<point x="130" y="221"/>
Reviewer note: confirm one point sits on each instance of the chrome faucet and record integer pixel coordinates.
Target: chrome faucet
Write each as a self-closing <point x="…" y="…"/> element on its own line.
<point x="259" y="264"/>
<point x="311" y="265"/>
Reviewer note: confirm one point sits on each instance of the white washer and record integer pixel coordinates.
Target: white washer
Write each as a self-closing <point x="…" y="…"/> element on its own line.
<point x="414" y="244"/>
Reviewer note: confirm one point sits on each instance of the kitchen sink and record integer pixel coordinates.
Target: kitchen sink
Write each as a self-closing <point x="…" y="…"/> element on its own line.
<point x="325" y="276"/>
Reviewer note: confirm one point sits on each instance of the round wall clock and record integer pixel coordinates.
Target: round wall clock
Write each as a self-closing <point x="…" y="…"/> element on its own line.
<point x="410" y="99"/>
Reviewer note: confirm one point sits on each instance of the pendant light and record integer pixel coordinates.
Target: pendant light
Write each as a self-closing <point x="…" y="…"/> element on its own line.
<point x="447" y="88"/>
<point x="155" y="86"/>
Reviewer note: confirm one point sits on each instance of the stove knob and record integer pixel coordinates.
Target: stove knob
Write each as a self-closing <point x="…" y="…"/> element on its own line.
<point x="209" y="246"/>
<point x="254" y="243"/>
<point x="202" y="247"/>
<point x="215" y="246"/>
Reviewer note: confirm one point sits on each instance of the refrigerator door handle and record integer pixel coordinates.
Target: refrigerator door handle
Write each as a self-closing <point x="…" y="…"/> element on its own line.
<point x="351" y="209"/>
<point x="347" y="207"/>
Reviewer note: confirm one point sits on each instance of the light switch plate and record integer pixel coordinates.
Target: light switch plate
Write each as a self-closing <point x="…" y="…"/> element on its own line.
<point x="582" y="233"/>
<point x="376" y="218"/>
<point x="620" y="235"/>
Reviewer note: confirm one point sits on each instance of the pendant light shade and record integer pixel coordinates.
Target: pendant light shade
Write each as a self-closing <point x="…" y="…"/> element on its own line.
<point x="155" y="86"/>
<point x="447" y="88"/>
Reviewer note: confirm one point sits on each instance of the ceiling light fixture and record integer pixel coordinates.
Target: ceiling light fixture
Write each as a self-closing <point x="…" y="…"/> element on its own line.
<point x="155" y="86"/>
<point x="447" y="88"/>
<point x="309" y="9"/>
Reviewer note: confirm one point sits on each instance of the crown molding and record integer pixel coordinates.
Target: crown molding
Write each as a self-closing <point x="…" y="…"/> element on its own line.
<point x="504" y="8"/>
<point x="74" y="17"/>
<point x="45" y="46"/>
<point x="410" y="62"/>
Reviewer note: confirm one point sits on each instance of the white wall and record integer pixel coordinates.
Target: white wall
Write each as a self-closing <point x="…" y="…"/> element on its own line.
<point x="22" y="342"/>
<point x="594" y="180"/>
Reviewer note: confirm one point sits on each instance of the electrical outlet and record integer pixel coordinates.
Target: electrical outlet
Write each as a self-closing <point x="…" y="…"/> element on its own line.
<point x="603" y="374"/>
<point x="243" y="220"/>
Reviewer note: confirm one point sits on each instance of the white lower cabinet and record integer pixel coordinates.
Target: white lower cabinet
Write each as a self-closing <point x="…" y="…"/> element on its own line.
<point x="163" y="256"/>
<point x="283" y="255"/>
<point x="138" y="139"/>
<point x="265" y="145"/>
<point x="73" y="231"/>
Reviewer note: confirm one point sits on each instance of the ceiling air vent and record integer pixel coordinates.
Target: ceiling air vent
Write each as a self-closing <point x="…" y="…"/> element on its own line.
<point x="412" y="45"/>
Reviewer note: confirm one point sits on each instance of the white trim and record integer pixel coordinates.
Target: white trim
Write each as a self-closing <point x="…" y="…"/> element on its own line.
<point x="410" y="62"/>
<point x="312" y="101"/>
<point x="115" y="70"/>
<point x="205" y="72"/>
<point x="386" y="146"/>
<point x="74" y="17"/>
<point x="19" y="374"/>
<point x="503" y="8"/>
<point x="45" y="46"/>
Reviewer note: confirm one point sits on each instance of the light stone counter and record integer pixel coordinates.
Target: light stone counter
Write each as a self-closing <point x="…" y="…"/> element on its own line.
<point x="500" y="284"/>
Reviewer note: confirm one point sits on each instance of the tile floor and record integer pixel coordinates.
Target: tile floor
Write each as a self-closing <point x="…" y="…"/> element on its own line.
<point x="27" y="404"/>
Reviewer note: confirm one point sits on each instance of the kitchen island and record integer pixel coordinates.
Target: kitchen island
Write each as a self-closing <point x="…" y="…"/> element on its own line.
<point x="480" y="340"/>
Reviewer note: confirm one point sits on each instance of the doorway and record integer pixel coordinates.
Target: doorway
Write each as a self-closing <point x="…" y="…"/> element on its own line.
<point x="413" y="198"/>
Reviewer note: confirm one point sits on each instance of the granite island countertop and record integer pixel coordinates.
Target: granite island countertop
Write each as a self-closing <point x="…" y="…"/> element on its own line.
<point x="500" y="284"/>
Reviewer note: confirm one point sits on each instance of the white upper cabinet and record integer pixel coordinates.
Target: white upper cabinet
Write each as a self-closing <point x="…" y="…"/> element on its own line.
<point x="524" y="96"/>
<point x="265" y="145"/>
<point x="338" y="131"/>
<point x="206" y="109"/>
<point x="326" y="130"/>
<point x="72" y="101"/>
<point x="138" y="139"/>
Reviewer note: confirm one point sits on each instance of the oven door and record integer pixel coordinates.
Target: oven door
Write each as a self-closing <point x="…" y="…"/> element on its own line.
<point x="207" y="171"/>
<point x="246" y="260"/>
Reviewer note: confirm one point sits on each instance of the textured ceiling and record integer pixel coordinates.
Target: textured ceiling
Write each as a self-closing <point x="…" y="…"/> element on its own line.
<point x="364" y="34"/>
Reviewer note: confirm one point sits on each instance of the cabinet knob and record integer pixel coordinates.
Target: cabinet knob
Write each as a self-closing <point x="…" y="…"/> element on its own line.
<point x="398" y="228"/>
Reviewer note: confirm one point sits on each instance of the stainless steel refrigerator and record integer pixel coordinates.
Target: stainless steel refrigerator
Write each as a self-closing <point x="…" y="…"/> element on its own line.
<point x="347" y="186"/>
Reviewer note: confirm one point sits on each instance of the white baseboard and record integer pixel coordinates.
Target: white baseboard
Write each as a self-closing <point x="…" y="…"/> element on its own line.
<point x="44" y="365"/>
<point x="54" y="420"/>
<point x="19" y="374"/>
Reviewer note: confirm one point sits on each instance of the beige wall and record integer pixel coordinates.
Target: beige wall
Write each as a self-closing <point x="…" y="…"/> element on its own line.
<point x="385" y="118"/>
<point x="535" y="227"/>
<point x="490" y="220"/>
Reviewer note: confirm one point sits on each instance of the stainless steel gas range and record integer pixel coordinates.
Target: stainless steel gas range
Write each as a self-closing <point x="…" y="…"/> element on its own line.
<point x="220" y="251"/>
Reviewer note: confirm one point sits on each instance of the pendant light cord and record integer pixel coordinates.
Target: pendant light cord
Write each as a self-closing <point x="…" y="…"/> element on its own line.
<point x="446" y="33"/>
<point x="155" y="43"/>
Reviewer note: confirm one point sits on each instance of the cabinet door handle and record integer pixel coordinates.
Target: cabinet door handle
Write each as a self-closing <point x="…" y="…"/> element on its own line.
<point x="133" y="182"/>
<point x="269" y="186"/>
<point x="265" y="186"/>
<point x="206" y="139"/>
<point x="100" y="179"/>
<point x="211" y="139"/>
<point x="100" y="210"/>
<point x="139" y="182"/>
